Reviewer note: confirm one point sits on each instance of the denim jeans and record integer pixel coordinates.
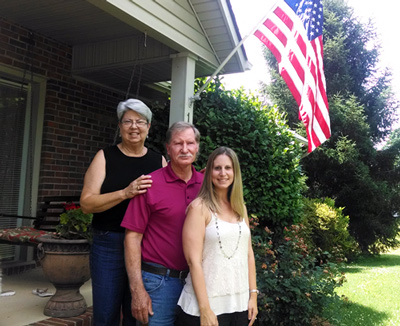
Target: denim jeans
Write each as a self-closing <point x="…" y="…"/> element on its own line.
<point x="164" y="292"/>
<point x="110" y="286"/>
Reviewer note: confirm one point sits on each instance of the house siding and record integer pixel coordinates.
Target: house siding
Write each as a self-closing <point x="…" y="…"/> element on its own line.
<point x="172" y="22"/>
<point x="79" y="117"/>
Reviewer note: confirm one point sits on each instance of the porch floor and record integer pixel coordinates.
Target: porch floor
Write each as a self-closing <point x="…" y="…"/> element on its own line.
<point x="24" y="308"/>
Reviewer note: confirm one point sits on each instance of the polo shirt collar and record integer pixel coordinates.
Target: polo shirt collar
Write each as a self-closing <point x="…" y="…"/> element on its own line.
<point x="170" y="175"/>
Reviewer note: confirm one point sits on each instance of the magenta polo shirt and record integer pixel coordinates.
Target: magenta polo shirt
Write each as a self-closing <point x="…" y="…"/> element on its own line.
<point x="159" y="215"/>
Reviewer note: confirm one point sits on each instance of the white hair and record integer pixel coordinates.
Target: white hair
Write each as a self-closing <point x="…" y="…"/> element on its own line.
<point x="134" y="105"/>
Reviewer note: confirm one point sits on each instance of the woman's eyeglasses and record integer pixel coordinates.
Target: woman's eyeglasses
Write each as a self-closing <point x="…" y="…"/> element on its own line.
<point x="130" y="123"/>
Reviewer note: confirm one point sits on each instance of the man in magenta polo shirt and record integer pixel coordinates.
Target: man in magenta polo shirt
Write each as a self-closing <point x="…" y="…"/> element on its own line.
<point x="154" y="256"/>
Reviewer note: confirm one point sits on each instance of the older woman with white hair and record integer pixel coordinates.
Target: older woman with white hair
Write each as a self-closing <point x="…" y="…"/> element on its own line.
<point x="116" y="174"/>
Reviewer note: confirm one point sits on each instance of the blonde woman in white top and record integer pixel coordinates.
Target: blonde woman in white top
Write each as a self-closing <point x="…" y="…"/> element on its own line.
<point x="221" y="286"/>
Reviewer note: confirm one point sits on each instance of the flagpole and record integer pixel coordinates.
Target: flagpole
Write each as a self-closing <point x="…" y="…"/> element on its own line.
<point x="196" y="97"/>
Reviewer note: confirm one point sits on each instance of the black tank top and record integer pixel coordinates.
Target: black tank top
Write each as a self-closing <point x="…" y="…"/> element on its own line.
<point x="121" y="170"/>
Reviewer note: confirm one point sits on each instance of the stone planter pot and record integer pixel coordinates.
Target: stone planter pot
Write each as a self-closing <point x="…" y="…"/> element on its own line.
<point x="65" y="263"/>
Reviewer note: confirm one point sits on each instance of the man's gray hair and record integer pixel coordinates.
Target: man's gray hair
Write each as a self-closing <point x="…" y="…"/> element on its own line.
<point x="180" y="126"/>
<point x="134" y="105"/>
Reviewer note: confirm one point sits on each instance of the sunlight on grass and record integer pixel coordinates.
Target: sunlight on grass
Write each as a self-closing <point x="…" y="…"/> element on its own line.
<point x="371" y="295"/>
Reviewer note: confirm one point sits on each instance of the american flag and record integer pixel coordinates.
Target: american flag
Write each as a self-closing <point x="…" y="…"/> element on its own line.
<point x="293" y="32"/>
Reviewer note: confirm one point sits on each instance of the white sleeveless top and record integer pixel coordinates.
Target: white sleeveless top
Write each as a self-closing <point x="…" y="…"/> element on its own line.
<point x="227" y="280"/>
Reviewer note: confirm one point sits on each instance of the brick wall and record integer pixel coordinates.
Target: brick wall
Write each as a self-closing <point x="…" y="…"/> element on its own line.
<point x="79" y="119"/>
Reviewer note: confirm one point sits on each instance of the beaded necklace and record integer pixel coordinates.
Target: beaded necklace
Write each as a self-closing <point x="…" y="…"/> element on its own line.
<point x="220" y="242"/>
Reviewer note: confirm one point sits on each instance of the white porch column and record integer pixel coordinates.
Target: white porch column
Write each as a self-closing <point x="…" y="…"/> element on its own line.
<point x="182" y="87"/>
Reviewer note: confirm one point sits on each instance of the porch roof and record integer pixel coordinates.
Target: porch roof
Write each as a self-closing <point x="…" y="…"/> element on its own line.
<point x="116" y="40"/>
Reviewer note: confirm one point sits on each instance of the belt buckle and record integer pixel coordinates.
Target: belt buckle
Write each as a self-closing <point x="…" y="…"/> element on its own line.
<point x="181" y="273"/>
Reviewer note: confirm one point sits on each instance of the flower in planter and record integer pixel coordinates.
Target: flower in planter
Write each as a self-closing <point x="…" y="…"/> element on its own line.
<point x="74" y="224"/>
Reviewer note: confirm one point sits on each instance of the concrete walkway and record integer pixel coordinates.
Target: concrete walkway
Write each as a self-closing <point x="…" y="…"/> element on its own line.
<point x="24" y="308"/>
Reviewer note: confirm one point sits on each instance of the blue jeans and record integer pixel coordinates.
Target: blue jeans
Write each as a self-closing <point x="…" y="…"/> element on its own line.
<point x="164" y="292"/>
<point x="110" y="285"/>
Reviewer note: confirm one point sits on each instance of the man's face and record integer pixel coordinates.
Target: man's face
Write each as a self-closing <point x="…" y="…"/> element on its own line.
<point x="183" y="147"/>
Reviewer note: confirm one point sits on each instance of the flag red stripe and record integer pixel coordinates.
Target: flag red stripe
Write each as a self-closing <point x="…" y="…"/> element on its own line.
<point x="313" y="137"/>
<point x="321" y="89"/>
<point x="276" y="31"/>
<point x="301" y="44"/>
<point x="269" y="44"/>
<point x="296" y="64"/>
<point x="315" y="141"/>
<point x="318" y="116"/>
<point x="322" y="122"/>
<point x="321" y="78"/>
<point x="292" y="87"/>
<point x="285" y="18"/>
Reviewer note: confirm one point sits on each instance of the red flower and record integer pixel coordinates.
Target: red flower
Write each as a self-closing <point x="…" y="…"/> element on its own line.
<point x="70" y="206"/>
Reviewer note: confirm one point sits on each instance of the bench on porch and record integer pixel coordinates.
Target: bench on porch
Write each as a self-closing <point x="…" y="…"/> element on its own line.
<point x="45" y="222"/>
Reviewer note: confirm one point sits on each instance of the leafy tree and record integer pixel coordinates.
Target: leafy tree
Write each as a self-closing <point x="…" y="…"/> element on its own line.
<point x="348" y="167"/>
<point x="391" y="151"/>
<point x="394" y="138"/>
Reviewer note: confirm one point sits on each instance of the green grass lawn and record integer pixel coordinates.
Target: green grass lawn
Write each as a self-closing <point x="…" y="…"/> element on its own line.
<point x="372" y="293"/>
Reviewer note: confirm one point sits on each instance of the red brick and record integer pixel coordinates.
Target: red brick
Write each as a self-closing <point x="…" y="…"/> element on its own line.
<point x="83" y="109"/>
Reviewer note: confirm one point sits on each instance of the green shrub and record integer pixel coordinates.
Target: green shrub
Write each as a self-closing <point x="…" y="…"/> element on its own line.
<point x="294" y="286"/>
<point x="326" y="227"/>
<point x="268" y="154"/>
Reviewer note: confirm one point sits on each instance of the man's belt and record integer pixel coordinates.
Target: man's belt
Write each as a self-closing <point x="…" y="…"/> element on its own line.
<point x="160" y="270"/>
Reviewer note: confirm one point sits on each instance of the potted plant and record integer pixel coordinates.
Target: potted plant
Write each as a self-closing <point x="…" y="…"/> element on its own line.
<point x="64" y="258"/>
<point x="74" y="224"/>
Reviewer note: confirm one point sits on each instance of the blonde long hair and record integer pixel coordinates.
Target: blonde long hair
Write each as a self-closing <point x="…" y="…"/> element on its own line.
<point x="235" y="192"/>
